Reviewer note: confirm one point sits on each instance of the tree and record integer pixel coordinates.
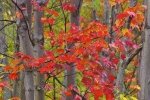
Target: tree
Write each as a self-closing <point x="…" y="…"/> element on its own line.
<point x="144" y="68"/>
<point x="3" y="49"/>
<point x="24" y="26"/>
<point x="38" y="49"/>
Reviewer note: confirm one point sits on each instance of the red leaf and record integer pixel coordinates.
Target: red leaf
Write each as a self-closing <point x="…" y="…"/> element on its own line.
<point x="86" y="80"/>
<point x="13" y="76"/>
<point x="68" y="93"/>
<point x="2" y="84"/>
<point x="122" y="15"/>
<point x="109" y="96"/>
<point x="47" y="68"/>
<point x="97" y="93"/>
<point x="115" y="61"/>
<point x="123" y="56"/>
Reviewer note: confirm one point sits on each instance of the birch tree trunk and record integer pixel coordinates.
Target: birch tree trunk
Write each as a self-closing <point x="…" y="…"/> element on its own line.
<point x="38" y="52"/>
<point x="145" y="59"/>
<point x="3" y="49"/>
<point x="26" y="45"/>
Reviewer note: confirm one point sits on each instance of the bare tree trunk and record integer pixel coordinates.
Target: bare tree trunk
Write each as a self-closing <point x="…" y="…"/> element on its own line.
<point x="18" y="86"/>
<point x="38" y="52"/>
<point x="145" y="66"/>
<point x="26" y="45"/>
<point x="3" y="49"/>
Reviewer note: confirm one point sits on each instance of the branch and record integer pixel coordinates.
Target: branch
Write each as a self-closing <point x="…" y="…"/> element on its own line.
<point x="127" y="62"/>
<point x="121" y="72"/>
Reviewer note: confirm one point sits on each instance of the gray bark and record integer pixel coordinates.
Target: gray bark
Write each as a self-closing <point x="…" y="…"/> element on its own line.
<point x="18" y="88"/>
<point x="76" y="14"/>
<point x="38" y="52"/>
<point x="145" y="59"/>
<point x="107" y="12"/>
<point x="133" y="3"/>
<point x="26" y="47"/>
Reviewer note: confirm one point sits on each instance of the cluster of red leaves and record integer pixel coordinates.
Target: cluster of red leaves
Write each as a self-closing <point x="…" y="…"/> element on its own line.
<point x="136" y="13"/>
<point x="68" y="7"/>
<point x="50" y="21"/>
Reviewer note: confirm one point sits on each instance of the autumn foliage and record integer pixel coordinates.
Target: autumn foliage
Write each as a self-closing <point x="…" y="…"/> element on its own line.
<point x="96" y="52"/>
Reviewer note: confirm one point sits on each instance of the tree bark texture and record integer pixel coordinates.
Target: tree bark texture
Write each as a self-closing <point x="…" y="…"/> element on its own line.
<point x="38" y="52"/>
<point x="26" y="45"/>
<point x="145" y="58"/>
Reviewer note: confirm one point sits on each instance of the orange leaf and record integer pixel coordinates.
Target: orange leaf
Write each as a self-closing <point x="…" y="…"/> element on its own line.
<point x="68" y="93"/>
<point x="13" y="76"/>
<point x="19" y="15"/>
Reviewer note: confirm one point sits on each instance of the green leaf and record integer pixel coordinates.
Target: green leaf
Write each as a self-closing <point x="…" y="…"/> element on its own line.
<point x="96" y="4"/>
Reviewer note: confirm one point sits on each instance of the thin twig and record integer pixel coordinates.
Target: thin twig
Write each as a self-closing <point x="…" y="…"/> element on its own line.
<point x="6" y="20"/>
<point x="73" y="91"/>
<point x="6" y="55"/>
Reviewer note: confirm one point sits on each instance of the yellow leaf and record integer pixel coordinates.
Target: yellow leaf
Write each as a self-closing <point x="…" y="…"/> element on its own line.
<point x="122" y="97"/>
<point x="135" y="87"/>
<point x="127" y="33"/>
<point x="2" y="57"/>
<point x="112" y="2"/>
<point x="133" y="98"/>
<point x="2" y="65"/>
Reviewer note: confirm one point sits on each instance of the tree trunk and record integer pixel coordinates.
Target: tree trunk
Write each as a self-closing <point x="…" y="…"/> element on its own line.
<point x="145" y="66"/>
<point x="75" y="17"/>
<point x="107" y="12"/>
<point x="3" y="49"/>
<point x="38" y="52"/>
<point x="26" y="45"/>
